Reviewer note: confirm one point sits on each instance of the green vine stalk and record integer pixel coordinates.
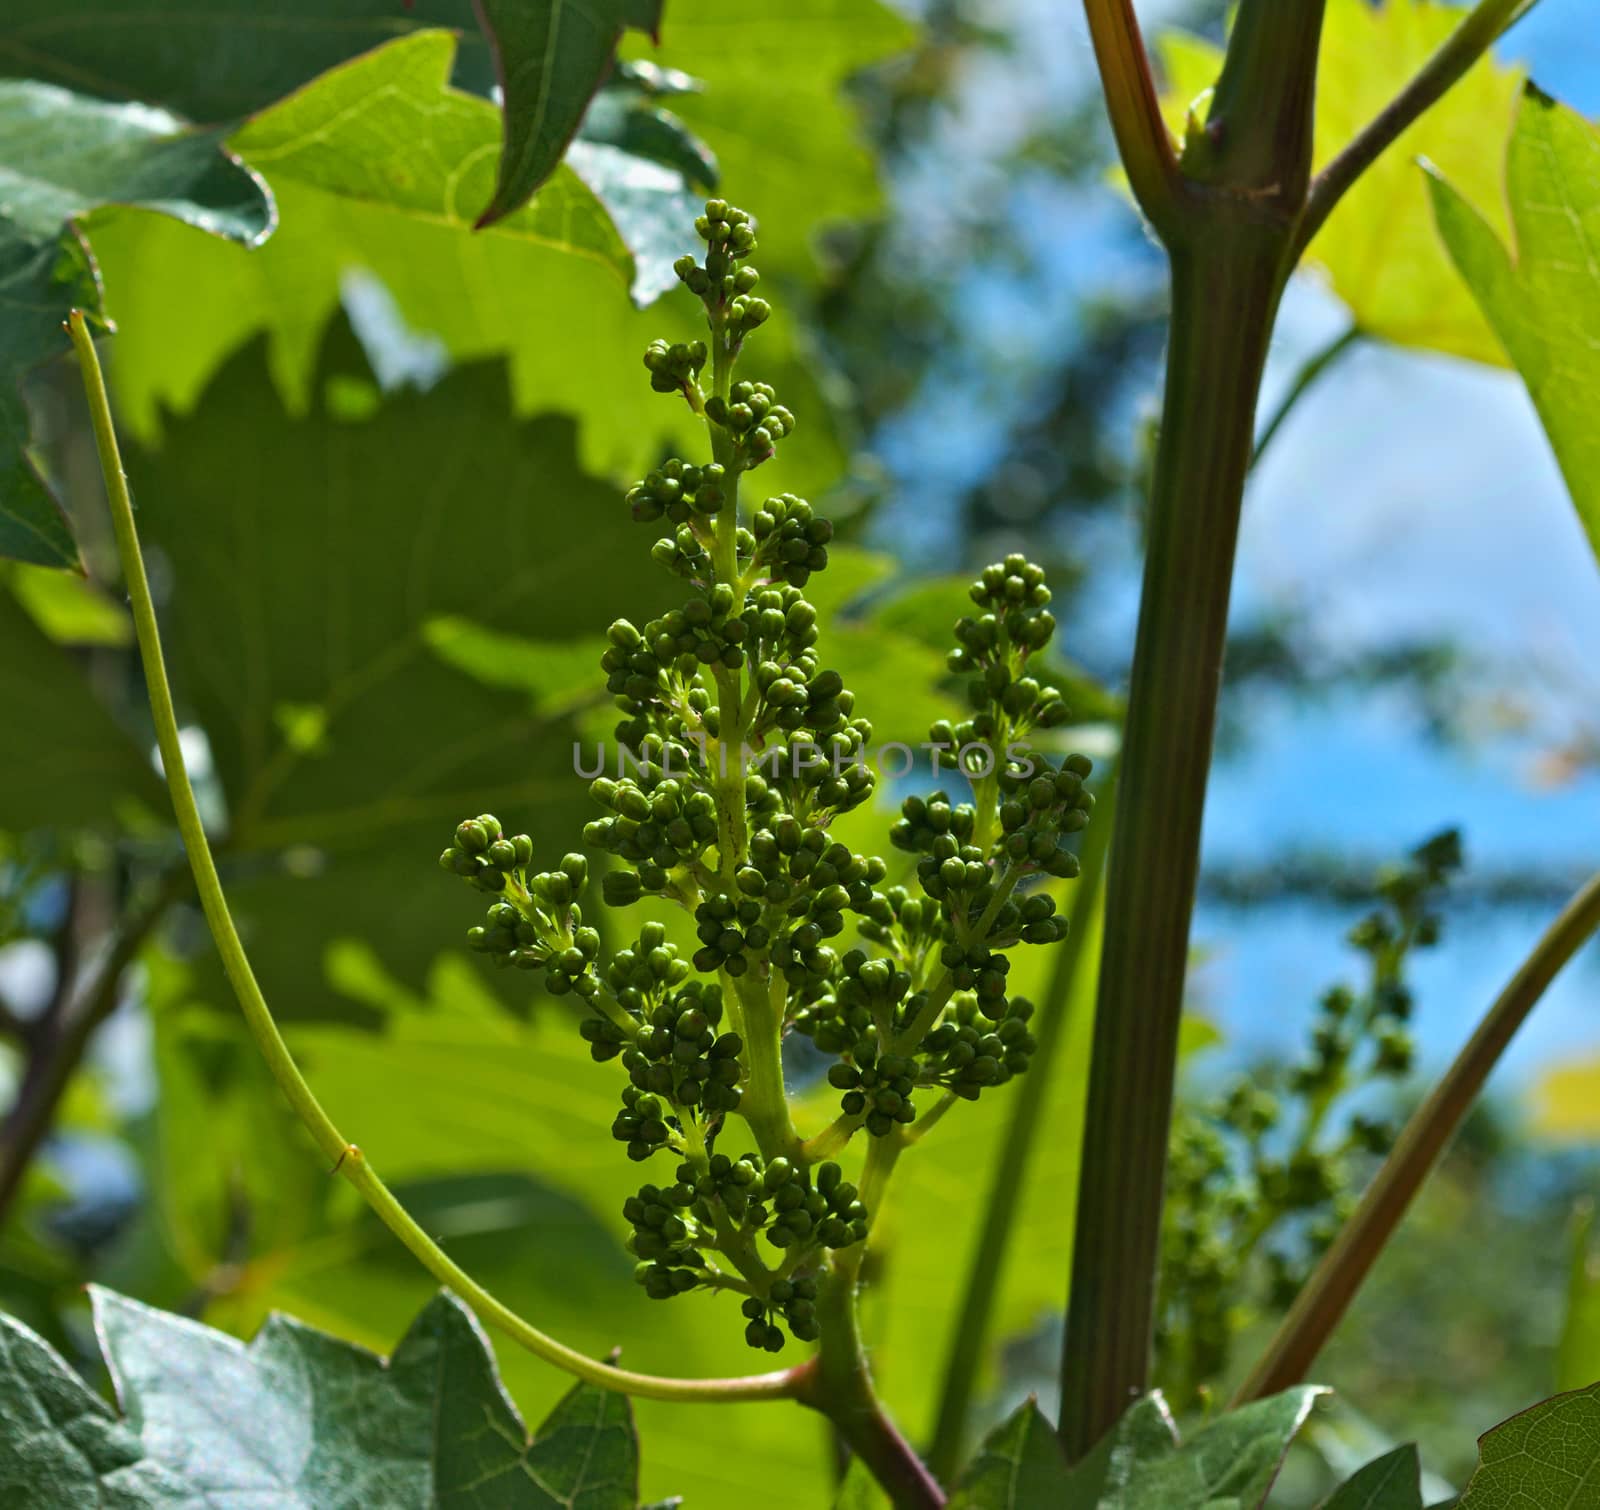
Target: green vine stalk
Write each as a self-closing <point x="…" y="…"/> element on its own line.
<point x="1235" y="209"/>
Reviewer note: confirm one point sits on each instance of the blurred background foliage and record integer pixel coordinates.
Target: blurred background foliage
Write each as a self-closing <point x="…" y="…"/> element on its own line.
<point x="379" y="460"/>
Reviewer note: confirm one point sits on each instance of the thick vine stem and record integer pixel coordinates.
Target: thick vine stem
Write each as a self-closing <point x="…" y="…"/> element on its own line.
<point x="342" y="1155"/>
<point x="1231" y="251"/>
<point x="1326" y="1297"/>
<point x="1224" y="297"/>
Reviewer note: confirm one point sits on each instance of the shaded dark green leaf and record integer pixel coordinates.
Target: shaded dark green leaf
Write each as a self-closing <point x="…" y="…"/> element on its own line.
<point x="1392" y="1482"/>
<point x="550" y="57"/>
<point x="625" y="114"/>
<point x="62" y="155"/>
<point x="298" y="636"/>
<point x="1548" y="1456"/>
<point x="220" y="61"/>
<point x="67" y="762"/>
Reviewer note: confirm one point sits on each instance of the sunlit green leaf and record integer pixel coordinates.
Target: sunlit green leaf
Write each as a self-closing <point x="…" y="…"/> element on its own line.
<point x="1547" y="1455"/>
<point x="1542" y="295"/>
<point x="70" y="609"/>
<point x="387" y="132"/>
<point x="1379" y="250"/>
<point x="61" y="156"/>
<point x="182" y="307"/>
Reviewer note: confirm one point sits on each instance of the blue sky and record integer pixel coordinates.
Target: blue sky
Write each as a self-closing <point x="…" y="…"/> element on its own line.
<point x="1410" y="496"/>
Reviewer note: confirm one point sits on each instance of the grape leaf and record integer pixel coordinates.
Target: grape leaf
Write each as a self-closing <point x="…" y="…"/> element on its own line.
<point x="67" y="763"/>
<point x="1140" y="1464"/>
<point x="221" y="61"/>
<point x="184" y="305"/>
<point x="346" y="748"/>
<point x="1146" y="1434"/>
<point x="1549" y="1456"/>
<point x="1020" y="1464"/>
<point x="386" y="131"/>
<point x="61" y="156"/>
<point x="550" y="57"/>
<point x="300" y="1418"/>
<point x="1379" y="251"/>
<point x="1392" y="1482"/>
<point x="1542" y="296"/>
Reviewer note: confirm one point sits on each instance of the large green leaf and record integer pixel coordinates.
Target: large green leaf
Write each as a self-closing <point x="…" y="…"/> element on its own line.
<point x="1392" y="1482"/>
<point x="67" y="764"/>
<point x="303" y="586"/>
<point x="1548" y="1456"/>
<point x="232" y="59"/>
<point x="61" y="156"/>
<point x="550" y="57"/>
<point x="1379" y="250"/>
<point x="573" y="345"/>
<point x="1020" y="1465"/>
<point x="297" y="1417"/>
<point x="1542" y="296"/>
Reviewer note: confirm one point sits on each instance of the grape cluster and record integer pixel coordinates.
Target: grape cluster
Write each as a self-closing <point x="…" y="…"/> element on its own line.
<point x="658" y="822"/>
<point x="980" y="1044"/>
<point x="679" y="492"/>
<point x="1269" y="1159"/>
<point x="678" y="1053"/>
<point x="727" y="695"/>
<point x="482" y="854"/>
<point x="755" y="419"/>
<point x="1038" y="810"/>
<point x="790" y="540"/>
<point x="536" y="923"/>
<point x="674" y="366"/>
<point x="798" y="1211"/>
